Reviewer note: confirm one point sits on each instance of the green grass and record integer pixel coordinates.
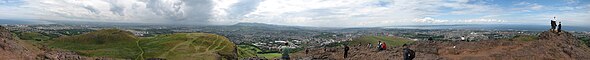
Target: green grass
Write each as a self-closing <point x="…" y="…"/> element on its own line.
<point x="188" y="46"/>
<point x="246" y="51"/>
<point x="270" y="55"/>
<point x="103" y="43"/>
<point x="115" y="43"/>
<point x="388" y="40"/>
<point x="33" y="36"/>
<point x="585" y="40"/>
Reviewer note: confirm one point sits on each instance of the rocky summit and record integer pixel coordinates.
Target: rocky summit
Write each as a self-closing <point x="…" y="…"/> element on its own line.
<point x="549" y="46"/>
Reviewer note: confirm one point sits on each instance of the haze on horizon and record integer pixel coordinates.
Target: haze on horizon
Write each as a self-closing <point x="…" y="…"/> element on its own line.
<point x="320" y="13"/>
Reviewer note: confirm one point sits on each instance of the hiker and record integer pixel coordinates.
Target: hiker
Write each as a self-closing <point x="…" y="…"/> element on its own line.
<point x="553" y="25"/>
<point x="379" y="46"/>
<point x="383" y="46"/>
<point x="285" y="50"/>
<point x="306" y="50"/>
<point x="559" y="27"/>
<point x="370" y="45"/>
<point x="346" y="48"/>
<point x="408" y="53"/>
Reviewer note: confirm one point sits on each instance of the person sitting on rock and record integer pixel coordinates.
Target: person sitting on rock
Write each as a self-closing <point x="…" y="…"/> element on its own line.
<point x="379" y="46"/>
<point x="370" y="45"/>
<point x="408" y="53"/>
<point x="383" y="46"/>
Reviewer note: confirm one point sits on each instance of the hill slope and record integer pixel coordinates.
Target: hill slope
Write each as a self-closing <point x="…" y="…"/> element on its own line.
<point x="560" y="46"/>
<point x="11" y="48"/>
<point x="14" y="49"/>
<point x="102" y="43"/>
<point x="188" y="46"/>
<point x="389" y="40"/>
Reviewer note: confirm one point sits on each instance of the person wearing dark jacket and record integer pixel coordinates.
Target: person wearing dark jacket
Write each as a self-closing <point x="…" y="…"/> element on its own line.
<point x="346" y="48"/>
<point x="408" y="53"/>
<point x="553" y="25"/>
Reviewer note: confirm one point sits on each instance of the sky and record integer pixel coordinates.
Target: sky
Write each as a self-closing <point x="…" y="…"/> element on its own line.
<point x="319" y="13"/>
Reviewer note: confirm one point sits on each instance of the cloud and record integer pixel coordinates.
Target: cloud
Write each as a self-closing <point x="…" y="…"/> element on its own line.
<point x="430" y="20"/>
<point x="325" y="13"/>
<point x="351" y="13"/>
<point x="143" y="11"/>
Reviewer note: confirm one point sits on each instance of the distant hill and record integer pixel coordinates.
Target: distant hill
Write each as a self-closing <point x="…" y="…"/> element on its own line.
<point x="263" y="26"/>
<point x="23" y="21"/>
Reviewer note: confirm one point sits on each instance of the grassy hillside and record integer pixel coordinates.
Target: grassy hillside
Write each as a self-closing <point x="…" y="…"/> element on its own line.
<point x="389" y="40"/>
<point x="179" y="46"/>
<point x="33" y="36"/>
<point x="188" y="46"/>
<point x="246" y="51"/>
<point x="102" y="43"/>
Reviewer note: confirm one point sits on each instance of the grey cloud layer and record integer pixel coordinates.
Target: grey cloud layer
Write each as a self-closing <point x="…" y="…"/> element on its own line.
<point x="145" y="11"/>
<point x="326" y="13"/>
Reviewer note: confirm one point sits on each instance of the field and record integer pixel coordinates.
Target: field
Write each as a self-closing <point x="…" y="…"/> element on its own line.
<point x="105" y="43"/>
<point x="270" y="55"/>
<point x="182" y="45"/>
<point x="33" y="36"/>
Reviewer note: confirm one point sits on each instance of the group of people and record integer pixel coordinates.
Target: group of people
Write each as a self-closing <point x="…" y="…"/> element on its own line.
<point x="408" y="54"/>
<point x="380" y="46"/>
<point x="555" y="27"/>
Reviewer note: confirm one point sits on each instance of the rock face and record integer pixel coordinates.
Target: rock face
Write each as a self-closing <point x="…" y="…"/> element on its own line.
<point x="14" y="49"/>
<point x="550" y="45"/>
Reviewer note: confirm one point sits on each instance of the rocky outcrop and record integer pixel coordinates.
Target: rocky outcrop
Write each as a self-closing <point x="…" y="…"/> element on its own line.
<point x="548" y="46"/>
<point x="13" y="49"/>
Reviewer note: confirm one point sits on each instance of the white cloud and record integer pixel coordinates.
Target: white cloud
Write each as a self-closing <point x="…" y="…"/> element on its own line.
<point x="326" y="13"/>
<point x="147" y="11"/>
<point x="354" y="13"/>
<point x="431" y="20"/>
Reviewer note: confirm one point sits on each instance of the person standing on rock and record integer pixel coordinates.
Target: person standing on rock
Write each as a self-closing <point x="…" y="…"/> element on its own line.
<point x="553" y="25"/>
<point x="408" y="53"/>
<point x="559" y="27"/>
<point x="346" y="48"/>
<point x="285" y="51"/>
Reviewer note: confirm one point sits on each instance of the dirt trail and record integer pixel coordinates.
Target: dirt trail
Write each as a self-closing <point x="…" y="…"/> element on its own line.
<point x="559" y="46"/>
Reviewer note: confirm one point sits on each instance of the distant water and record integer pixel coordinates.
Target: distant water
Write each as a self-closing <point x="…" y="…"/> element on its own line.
<point x="492" y="27"/>
<point x="10" y="21"/>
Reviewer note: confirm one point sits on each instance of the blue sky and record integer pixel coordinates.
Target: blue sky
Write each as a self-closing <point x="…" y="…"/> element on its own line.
<point x="322" y="13"/>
